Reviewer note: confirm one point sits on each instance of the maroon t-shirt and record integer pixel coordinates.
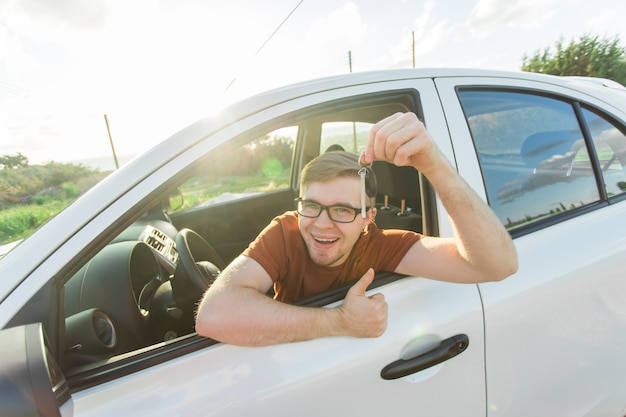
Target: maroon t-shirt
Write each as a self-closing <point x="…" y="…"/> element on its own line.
<point x="281" y="251"/>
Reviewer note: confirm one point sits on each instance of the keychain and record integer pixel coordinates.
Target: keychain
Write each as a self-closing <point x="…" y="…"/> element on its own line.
<point x="368" y="185"/>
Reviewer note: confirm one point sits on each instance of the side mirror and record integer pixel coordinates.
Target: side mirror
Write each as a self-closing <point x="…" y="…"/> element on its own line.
<point x="31" y="382"/>
<point x="175" y="201"/>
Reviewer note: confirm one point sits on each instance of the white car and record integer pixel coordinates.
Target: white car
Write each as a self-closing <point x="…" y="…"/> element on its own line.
<point x="112" y="281"/>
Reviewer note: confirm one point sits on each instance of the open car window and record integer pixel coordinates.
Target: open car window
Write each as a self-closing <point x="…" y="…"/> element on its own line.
<point x="262" y="165"/>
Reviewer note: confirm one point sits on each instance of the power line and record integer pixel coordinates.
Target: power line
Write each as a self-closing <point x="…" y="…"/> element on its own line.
<point x="279" y="26"/>
<point x="270" y="37"/>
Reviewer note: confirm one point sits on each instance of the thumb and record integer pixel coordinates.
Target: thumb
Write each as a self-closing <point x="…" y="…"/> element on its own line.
<point x="361" y="285"/>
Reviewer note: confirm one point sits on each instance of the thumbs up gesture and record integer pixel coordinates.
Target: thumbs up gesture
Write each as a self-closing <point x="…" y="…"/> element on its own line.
<point x="364" y="316"/>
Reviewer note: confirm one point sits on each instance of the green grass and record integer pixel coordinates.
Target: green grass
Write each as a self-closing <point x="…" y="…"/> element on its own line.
<point x="200" y="191"/>
<point x="21" y="221"/>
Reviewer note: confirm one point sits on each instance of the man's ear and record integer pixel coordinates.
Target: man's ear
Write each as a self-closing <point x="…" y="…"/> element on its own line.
<point x="373" y="214"/>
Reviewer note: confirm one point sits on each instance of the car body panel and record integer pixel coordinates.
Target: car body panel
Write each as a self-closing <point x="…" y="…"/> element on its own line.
<point x="570" y="322"/>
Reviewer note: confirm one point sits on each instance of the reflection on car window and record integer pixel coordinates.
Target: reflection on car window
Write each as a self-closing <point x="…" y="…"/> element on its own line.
<point x="262" y="165"/>
<point x="532" y="153"/>
<point x="610" y="146"/>
<point x="351" y="136"/>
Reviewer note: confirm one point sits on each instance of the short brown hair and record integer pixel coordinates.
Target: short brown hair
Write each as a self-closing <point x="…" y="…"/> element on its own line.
<point x="330" y="165"/>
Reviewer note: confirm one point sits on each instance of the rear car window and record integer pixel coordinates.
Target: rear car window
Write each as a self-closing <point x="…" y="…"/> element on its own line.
<point x="535" y="161"/>
<point x="610" y="146"/>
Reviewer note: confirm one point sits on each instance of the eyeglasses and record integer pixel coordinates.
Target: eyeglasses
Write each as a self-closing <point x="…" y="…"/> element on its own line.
<point x="339" y="214"/>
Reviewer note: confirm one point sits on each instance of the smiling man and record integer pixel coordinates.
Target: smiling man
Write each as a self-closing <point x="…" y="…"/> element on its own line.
<point x="331" y="239"/>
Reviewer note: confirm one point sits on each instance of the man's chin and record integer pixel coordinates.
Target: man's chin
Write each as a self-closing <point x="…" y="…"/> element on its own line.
<point x="325" y="259"/>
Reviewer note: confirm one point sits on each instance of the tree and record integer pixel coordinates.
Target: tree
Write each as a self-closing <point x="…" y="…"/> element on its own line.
<point x="13" y="161"/>
<point x="588" y="56"/>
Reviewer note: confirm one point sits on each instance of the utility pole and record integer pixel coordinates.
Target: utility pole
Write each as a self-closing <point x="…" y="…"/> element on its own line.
<point x="106" y="120"/>
<point x="350" y="60"/>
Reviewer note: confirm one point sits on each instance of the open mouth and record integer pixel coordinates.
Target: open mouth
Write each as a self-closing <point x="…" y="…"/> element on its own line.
<point x="325" y="241"/>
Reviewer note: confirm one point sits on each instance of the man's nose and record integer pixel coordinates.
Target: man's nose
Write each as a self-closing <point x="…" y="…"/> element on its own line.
<point x="324" y="219"/>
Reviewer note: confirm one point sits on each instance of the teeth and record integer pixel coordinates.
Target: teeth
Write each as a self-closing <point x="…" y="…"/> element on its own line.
<point x="325" y="240"/>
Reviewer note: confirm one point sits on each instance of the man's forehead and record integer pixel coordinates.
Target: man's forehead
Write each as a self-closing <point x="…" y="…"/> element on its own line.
<point x="341" y="189"/>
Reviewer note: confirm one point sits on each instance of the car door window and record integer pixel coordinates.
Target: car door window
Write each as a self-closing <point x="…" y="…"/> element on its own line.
<point x="534" y="159"/>
<point x="262" y="165"/>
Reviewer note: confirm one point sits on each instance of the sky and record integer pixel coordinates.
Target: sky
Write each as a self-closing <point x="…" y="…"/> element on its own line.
<point x="154" y="66"/>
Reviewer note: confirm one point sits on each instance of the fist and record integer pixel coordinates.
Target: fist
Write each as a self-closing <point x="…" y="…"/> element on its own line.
<point x="402" y="140"/>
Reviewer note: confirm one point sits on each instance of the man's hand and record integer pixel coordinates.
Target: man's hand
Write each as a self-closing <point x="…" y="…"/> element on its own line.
<point x="364" y="316"/>
<point x="402" y="140"/>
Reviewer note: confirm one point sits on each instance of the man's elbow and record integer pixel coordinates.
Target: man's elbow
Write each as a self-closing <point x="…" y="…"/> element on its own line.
<point x="202" y="328"/>
<point x="507" y="266"/>
<point x="206" y="321"/>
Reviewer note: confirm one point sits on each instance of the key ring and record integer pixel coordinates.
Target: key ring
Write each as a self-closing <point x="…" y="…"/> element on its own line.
<point x="365" y="172"/>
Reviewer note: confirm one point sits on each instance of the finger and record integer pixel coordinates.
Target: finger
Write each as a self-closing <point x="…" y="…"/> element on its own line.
<point x="404" y="130"/>
<point x="376" y="139"/>
<point x="361" y="285"/>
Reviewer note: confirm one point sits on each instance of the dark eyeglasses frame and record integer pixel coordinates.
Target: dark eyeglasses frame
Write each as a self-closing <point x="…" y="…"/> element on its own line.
<point x="357" y="210"/>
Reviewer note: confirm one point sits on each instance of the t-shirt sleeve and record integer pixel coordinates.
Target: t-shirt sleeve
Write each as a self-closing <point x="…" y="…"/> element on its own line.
<point x="388" y="247"/>
<point x="269" y="248"/>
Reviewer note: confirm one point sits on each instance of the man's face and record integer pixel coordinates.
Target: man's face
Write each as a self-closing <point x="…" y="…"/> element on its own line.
<point x="329" y="243"/>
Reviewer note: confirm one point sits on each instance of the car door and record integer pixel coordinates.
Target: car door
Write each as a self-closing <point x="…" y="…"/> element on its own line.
<point x="552" y="160"/>
<point x="326" y="376"/>
<point x="429" y="361"/>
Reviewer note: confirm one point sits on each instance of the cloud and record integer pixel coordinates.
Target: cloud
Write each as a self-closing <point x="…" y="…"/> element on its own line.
<point x="53" y="20"/>
<point x="427" y="35"/>
<point x="314" y="43"/>
<point x="343" y="24"/>
<point x="489" y="16"/>
<point x="331" y="36"/>
<point x="152" y="67"/>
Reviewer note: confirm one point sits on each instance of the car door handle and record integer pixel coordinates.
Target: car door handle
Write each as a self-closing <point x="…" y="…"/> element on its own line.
<point x="447" y="349"/>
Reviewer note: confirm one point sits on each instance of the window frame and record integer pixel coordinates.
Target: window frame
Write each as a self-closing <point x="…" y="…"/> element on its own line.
<point x="577" y="106"/>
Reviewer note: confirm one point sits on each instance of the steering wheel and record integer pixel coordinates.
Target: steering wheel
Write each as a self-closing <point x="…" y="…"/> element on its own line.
<point x="198" y="264"/>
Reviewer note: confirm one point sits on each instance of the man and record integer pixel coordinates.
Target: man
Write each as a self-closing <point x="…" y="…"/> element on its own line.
<point x="320" y="247"/>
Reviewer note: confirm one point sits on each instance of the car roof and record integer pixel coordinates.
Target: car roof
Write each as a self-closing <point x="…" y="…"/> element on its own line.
<point x="612" y="92"/>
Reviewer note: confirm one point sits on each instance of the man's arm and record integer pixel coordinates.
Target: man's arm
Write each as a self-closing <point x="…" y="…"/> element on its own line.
<point x="236" y="310"/>
<point x="482" y="249"/>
